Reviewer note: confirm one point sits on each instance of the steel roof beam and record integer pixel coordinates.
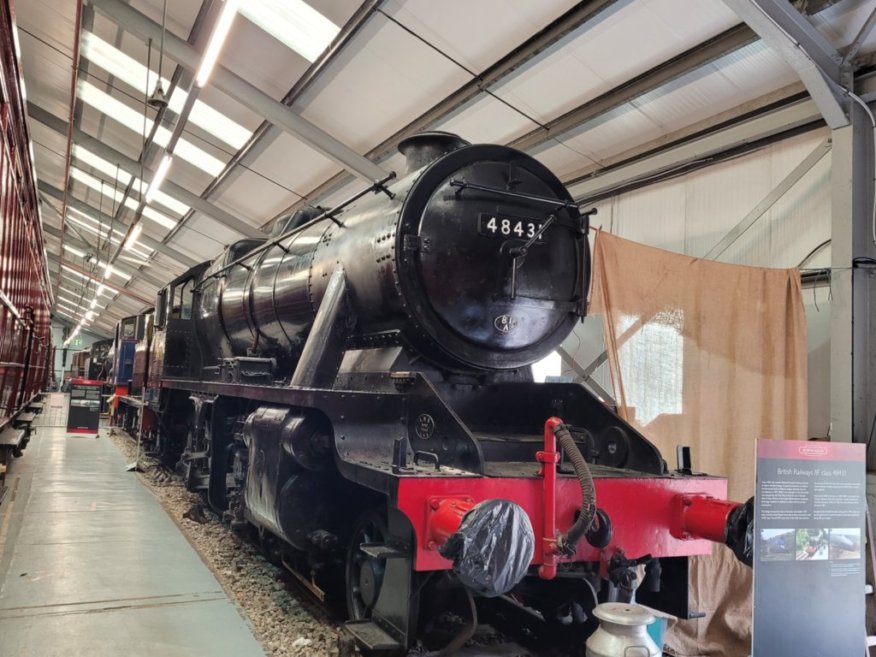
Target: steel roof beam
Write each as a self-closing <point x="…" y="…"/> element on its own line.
<point x="125" y="269"/>
<point x="650" y="164"/>
<point x="97" y="280"/>
<point x="248" y="95"/>
<point x="132" y="167"/>
<point x="576" y="120"/>
<point x="150" y="242"/>
<point x="815" y="60"/>
<point x="851" y="53"/>
<point x="573" y="24"/>
<point x="266" y="133"/>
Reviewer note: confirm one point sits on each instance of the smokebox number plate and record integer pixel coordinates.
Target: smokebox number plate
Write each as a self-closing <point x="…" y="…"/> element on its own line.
<point x="506" y="226"/>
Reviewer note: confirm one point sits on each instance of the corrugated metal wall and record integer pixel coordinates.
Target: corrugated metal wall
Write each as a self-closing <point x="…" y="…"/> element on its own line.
<point x="691" y="213"/>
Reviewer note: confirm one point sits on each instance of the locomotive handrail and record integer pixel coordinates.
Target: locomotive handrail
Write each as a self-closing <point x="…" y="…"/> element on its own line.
<point x="379" y="186"/>
<point x="547" y="200"/>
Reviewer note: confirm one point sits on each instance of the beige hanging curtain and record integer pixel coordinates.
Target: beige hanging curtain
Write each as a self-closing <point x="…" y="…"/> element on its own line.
<point x="710" y="355"/>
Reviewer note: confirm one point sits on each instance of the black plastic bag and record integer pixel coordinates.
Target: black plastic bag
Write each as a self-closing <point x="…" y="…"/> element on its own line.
<point x="493" y="547"/>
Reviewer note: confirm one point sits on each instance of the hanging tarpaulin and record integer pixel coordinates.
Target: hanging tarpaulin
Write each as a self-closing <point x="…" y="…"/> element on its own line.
<point x="710" y="355"/>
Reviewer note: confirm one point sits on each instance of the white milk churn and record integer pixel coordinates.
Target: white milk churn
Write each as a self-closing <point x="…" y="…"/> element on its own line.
<point x="622" y="632"/>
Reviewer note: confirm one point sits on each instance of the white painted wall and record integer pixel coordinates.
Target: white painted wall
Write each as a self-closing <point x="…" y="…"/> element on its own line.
<point x="691" y="213"/>
<point x="61" y="363"/>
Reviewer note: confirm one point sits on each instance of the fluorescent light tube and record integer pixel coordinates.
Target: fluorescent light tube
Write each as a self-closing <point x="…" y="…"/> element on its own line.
<point x="217" y="40"/>
<point x="158" y="178"/>
<point x="132" y="239"/>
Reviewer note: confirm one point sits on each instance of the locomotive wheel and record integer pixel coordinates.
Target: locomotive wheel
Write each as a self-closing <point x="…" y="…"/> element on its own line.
<point x="364" y="572"/>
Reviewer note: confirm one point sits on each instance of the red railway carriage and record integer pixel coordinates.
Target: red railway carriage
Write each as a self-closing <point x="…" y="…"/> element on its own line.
<point x="25" y="296"/>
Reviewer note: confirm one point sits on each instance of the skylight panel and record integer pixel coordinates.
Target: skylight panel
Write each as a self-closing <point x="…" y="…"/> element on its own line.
<point x="293" y="23"/>
<point x="74" y="250"/>
<point x="96" y="184"/>
<point x="91" y="224"/>
<point x="98" y="291"/>
<point x="71" y="314"/>
<point x="162" y="198"/>
<point x="104" y="166"/>
<point x="116" y="195"/>
<point x="108" y="168"/>
<point x="72" y="298"/>
<point x="133" y="73"/>
<point x="91" y="229"/>
<point x="154" y="215"/>
<point x="215" y="122"/>
<point x="198" y="157"/>
<point x="68" y="303"/>
<point x="133" y="120"/>
<point x="114" y="272"/>
<point x="118" y="64"/>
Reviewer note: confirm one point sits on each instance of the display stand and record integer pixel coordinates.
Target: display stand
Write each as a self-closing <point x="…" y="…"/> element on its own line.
<point x="83" y="410"/>
<point x="810" y="540"/>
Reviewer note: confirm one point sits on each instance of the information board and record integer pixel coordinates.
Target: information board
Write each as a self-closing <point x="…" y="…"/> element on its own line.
<point x="83" y="411"/>
<point x="809" y="549"/>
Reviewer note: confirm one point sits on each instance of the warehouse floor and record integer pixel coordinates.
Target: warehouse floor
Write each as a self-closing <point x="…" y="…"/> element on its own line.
<point x="91" y="565"/>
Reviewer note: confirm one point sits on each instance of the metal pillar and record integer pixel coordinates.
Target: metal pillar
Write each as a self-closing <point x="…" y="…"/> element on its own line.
<point x="853" y="287"/>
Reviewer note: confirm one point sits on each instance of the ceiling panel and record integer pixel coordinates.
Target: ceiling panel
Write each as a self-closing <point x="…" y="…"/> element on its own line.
<point x="388" y="76"/>
<point x="202" y="235"/>
<point x="620" y="47"/>
<point x="294" y="165"/>
<point x="261" y="60"/>
<point x="255" y="196"/>
<point x="180" y="13"/>
<point x="489" y="121"/>
<point x="469" y="32"/>
<point x="614" y="132"/>
<point x="48" y="21"/>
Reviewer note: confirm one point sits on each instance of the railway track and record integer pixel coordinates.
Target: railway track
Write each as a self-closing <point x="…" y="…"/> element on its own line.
<point x="504" y="629"/>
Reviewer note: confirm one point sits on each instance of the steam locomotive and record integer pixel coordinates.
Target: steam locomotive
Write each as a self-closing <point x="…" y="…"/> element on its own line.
<point x="356" y="391"/>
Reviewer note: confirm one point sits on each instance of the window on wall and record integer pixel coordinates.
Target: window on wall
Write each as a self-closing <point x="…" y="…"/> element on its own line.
<point x="652" y="363"/>
<point x="550" y="365"/>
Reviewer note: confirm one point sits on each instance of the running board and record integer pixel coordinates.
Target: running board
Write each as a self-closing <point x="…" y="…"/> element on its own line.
<point x="371" y="637"/>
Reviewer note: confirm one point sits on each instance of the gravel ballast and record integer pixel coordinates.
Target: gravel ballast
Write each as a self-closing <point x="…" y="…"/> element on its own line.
<point x="284" y="620"/>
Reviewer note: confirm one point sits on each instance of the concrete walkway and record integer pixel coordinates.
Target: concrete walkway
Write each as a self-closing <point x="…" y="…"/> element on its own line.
<point x="92" y="566"/>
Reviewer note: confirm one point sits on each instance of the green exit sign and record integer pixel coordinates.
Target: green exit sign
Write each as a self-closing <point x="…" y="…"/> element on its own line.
<point x="76" y="343"/>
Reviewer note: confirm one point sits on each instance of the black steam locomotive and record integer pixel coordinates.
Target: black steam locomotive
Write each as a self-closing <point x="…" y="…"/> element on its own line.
<point x="356" y="390"/>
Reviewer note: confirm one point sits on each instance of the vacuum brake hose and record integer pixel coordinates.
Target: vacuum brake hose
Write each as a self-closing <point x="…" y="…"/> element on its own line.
<point x="566" y="542"/>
